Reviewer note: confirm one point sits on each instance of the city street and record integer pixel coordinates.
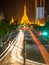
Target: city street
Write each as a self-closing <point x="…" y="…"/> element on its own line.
<point x="34" y="54"/>
<point x="24" y="32"/>
<point x="8" y="59"/>
<point x="43" y="51"/>
<point x="7" y="39"/>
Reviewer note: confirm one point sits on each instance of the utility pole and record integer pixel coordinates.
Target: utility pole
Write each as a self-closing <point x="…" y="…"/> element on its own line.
<point x="24" y="47"/>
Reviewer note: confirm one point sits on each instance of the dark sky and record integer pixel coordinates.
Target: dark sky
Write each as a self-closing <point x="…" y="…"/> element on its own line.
<point x="15" y="8"/>
<point x="11" y="7"/>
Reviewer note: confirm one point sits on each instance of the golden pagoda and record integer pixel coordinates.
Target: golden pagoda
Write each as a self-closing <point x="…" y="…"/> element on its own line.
<point x="12" y="20"/>
<point x="41" y="22"/>
<point x="25" y="19"/>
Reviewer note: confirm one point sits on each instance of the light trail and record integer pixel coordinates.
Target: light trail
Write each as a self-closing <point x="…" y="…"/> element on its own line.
<point x="43" y="51"/>
<point x="10" y="46"/>
<point x="16" y="52"/>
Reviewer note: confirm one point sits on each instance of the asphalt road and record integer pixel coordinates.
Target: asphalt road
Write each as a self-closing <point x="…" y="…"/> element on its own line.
<point x="32" y="51"/>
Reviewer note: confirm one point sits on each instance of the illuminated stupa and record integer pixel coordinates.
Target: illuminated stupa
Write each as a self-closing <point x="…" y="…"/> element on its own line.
<point x="25" y="19"/>
<point x="12" y="20"/>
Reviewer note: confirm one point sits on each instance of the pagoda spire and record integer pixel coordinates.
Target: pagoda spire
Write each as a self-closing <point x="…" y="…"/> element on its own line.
<point x="12" y="20"/>
<point x="25" y="17"/>
<point x="25" y="9"/>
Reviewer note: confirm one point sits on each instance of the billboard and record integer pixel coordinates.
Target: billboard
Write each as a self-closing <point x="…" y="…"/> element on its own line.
<point x="40" y="12"/>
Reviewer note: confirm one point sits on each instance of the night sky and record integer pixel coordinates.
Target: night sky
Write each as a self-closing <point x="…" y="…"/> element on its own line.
<point x="15" y="8"/>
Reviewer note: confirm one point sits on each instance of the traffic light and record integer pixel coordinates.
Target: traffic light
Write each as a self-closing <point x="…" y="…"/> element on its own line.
<point x="45" y="33"/>
<point x="39" y="33"/>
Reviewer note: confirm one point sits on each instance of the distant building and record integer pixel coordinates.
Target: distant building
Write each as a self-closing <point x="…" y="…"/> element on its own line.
<point x="14" y="21"/>
<point x="40" y="12"/>
<point x="40" y="9"/>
